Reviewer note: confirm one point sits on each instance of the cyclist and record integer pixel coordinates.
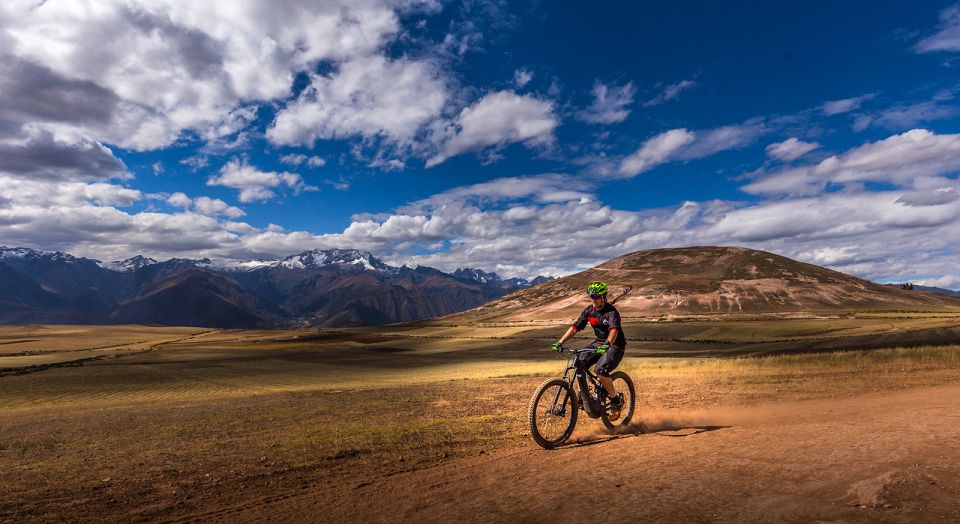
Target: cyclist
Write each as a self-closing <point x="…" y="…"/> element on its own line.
<point x="609" y="345"/>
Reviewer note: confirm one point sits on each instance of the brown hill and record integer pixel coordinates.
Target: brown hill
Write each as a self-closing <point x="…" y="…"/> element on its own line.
<point x="703" y="281"/>
<point x="197" y="297"/>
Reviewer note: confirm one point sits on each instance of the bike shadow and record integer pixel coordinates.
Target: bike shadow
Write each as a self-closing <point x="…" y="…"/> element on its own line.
<point x="661" y="430"/>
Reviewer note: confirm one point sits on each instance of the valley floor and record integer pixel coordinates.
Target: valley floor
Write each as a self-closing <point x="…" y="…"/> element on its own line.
<point x="880" y="457"/>
<point x="423" y="424"/>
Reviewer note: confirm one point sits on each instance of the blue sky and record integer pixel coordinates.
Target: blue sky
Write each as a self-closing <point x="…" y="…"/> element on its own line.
<point x="525" y="138"/>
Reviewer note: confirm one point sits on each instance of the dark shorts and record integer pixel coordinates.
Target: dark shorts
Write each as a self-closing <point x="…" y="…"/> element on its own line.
<point x="606" y="362"/>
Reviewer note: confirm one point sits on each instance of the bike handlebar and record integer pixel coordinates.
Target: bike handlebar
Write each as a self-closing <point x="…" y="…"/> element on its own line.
<point x="577" y="351"/>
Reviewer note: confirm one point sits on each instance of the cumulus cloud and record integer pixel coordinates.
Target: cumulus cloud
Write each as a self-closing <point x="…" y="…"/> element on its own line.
<point x="204" y="205"/>
<point x="256" y="185"/>
<point x="656" y="151"/>
<point x="298" y="159"/>
<point x="948" y="37"/>
<point x="670" y="92"/>
<point x="790" y="149"/>
<point x="522" y="77"/>
<point x="610" y="104"/>
<point x="496" y="120"/>
<point x="215" y="206"/>
<point x="831" y="216"/>
<point x="900" y="159"/>
<point x="550" y="187"/>
<point x="550" y="223"/>
<point x="845" y="105"/>
<point x="905" y="116"/>
<point x="368" y="97"/>
<point x="682" y="144"/>
<point x="518" y="230"/>
<point x="179" y="199"/>
<point x="208" y="57"/>
<point x="53" y="152"/>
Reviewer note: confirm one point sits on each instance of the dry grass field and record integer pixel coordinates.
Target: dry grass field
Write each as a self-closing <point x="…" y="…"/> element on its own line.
<point x="215" y="424"/>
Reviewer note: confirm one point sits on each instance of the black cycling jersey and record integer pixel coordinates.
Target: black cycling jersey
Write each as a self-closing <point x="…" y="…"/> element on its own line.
<point x="602" y="320"/>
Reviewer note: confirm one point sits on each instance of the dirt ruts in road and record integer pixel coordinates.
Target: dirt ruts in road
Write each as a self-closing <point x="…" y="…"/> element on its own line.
<point x="887" y="457"/>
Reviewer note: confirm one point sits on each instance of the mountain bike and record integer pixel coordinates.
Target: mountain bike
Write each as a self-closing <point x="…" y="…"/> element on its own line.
<point x="555" y="404"/>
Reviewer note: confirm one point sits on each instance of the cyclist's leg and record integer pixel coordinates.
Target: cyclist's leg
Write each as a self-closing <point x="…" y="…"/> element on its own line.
<point x="607" y="363"/>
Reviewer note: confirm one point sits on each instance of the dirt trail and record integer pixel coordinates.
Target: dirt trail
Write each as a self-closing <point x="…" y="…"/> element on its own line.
<point x="888" y="457"/>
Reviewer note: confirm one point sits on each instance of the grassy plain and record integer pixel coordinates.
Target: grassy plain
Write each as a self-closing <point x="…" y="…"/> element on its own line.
<point x="199" y="420"/>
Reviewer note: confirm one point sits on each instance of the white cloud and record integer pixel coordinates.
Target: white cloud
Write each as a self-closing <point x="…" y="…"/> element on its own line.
<point x="256" y="185"/>
<point x="725" y="138"/>
<point x="215" y="206"/>
<point x="907" y="116"/>
<point x="900" y="159"/>
<point x="670" y="92"/>
<point x="179" y="199"/>
<point x="56" y="152"/>
<point x="298" y="159"/>
<point x="790" y="149"/>
<point x="522" y="77"/>
<point x="831" y="216"/>
<point x="656" y="151"/>
<point x="498" y="119"/>
<point x="682" y="144"/>
<point x="549" y="223"/>
<point x="204" y="205"/>
<point x="948" y="37"/>
<point x="293" y="159"/>
<point x="845" y="105"/>
<point x="610" y="104"/>
<point x="366" y="97"/>
<point x="209" y="57"/>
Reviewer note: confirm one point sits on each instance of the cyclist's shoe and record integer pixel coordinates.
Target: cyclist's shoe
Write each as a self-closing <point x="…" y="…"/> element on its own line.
<point x="613" y="409"/>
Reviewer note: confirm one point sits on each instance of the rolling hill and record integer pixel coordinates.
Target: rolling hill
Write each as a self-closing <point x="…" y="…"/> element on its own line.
<point x="696" y="281"/>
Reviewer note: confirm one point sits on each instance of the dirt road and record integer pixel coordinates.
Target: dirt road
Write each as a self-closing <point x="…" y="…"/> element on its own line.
<point x="888" y="457"/>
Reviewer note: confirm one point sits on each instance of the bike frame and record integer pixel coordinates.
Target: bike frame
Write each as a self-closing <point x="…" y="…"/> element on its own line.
<point x="581" y="375"/>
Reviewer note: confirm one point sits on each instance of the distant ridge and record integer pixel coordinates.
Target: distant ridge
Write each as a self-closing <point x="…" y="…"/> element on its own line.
<point x="700" y="281"/>
<point x="332" y="287"/>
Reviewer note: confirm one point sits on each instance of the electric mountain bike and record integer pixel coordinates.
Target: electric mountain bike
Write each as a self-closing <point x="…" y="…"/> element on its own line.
<point x="555" y="404"/>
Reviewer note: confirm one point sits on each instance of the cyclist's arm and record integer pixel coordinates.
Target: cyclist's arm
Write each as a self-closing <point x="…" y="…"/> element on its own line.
<point x="612" y="337"/>
<point x="571" y="331"/>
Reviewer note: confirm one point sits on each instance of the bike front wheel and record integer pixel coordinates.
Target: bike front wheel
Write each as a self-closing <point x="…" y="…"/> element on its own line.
<point x="624" y="385"/>
<point x="553" y="413"/>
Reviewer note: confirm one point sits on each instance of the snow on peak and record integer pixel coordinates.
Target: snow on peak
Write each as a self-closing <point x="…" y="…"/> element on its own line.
<point x="33" y="254"/>
<point x="18" y="252"/>
<point x="130" y="264"/>
<point x="316" y="258"/>
<point x="476" y="275"/>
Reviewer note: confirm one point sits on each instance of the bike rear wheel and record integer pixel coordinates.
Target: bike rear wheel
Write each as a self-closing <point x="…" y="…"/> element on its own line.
<point x="624" y="385"/>
<point x="553" y="413"/>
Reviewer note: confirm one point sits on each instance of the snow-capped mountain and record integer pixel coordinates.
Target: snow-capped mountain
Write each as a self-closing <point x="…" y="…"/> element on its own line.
<point x="476" y="275"/>
<point x="317" y="258"/>
<point x="130" y="264"/>
<point x="26" y="253"/>
<point x="331" y="287"/>
<point x="482" y="277"/>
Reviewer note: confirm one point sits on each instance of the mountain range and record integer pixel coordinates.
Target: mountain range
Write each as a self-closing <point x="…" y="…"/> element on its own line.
<point x="335" y="287"/>
<point x="698" y="282"/>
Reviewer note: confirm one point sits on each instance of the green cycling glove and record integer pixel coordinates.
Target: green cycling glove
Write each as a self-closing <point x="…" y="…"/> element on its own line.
<point x="557" y="347"/>
<point x="602" y="349"/>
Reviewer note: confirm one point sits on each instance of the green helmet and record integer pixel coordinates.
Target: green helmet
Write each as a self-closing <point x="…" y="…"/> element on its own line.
<point x="597" y="288"/>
